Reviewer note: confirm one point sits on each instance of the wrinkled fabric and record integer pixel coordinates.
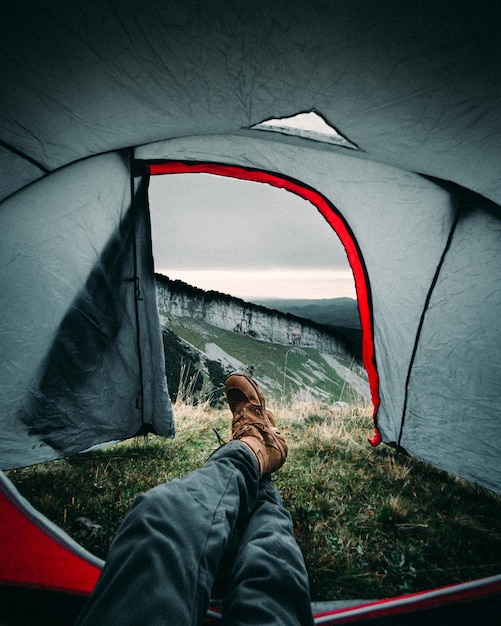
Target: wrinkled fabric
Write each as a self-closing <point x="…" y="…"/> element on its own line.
<point x="80" y="342"/>
<point x="452" y="419"/>
<point x="415" y="85"/>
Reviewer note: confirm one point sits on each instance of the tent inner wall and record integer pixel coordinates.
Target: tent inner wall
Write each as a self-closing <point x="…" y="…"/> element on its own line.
<point x="453" y="420"/>
<point x="415" y="84"/>
<point x="77" y="269"/>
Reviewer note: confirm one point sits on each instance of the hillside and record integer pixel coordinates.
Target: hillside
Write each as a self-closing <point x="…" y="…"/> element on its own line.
<point x="339" y="314"/>
<point x="226" y="312"/>
<point x="342" y="312"/>
<point x="199" y="354"/>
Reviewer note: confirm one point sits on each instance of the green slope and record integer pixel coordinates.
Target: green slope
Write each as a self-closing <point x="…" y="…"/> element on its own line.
<point x="341" y="314"/>
<point x="284" y="372"/>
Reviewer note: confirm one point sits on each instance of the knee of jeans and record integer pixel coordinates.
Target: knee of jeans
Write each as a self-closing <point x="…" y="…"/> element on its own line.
<point x="154" y="499"/>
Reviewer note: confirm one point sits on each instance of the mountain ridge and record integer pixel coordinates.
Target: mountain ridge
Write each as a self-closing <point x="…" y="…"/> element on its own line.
<point x="226" y="311"/>
<point x="205" y="336"/>
<point x="334" y="312"/>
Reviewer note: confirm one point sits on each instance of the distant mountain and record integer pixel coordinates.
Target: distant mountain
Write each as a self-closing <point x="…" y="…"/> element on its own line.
<point x="340" y="314"/>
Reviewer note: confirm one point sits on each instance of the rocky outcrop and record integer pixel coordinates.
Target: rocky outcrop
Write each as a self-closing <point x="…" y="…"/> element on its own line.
<point x="177" y="299"/>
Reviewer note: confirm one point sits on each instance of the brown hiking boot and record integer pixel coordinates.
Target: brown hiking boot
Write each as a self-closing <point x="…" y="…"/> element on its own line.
<point x="253" y="424"/>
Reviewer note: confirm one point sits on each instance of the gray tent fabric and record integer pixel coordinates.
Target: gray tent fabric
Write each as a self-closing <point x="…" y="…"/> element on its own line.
<point x="449" y="421"/>
<point x="73" y="281"/>
<point x="414" y="86"/>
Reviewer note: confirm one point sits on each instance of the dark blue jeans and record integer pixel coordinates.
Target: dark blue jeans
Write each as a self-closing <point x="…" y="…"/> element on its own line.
<point x="163" y="561"/>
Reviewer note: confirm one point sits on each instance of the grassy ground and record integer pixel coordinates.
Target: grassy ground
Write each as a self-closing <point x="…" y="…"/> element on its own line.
<point x="371" y="524"/>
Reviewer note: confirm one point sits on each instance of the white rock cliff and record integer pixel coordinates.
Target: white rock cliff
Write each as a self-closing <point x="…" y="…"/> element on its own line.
<point x="236" y="315"/>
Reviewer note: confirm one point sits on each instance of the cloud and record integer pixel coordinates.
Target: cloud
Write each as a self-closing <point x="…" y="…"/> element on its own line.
<point x="256" y="284"/>
<point x="205" y="222"/>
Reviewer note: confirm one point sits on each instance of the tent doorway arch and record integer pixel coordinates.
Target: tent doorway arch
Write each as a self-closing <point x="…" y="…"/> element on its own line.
<point x="336" y="221"/>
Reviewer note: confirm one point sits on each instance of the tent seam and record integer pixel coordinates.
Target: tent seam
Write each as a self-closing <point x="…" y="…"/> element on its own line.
<point x="24" y="156"/>
<point x="421" y="323"/>
<point x="135" y="280"/>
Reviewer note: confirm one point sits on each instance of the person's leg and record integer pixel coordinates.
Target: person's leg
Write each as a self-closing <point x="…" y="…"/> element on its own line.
<point x="162" y="564"/>
<point x="270" y="582"/>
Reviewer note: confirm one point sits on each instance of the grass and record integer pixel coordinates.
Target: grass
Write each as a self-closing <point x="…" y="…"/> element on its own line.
<point x="370" y="523"/>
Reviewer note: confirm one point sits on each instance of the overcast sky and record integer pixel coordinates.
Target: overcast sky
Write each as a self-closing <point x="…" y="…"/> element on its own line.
<point x="247" y="239"/>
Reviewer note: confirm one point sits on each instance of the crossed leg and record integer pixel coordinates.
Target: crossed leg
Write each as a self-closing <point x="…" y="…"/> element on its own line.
<point x="269" y="582"/>
<point x="162" y="564"/>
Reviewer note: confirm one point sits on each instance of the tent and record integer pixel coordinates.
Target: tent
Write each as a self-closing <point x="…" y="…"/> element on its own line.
<point x="385" y="116"/>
